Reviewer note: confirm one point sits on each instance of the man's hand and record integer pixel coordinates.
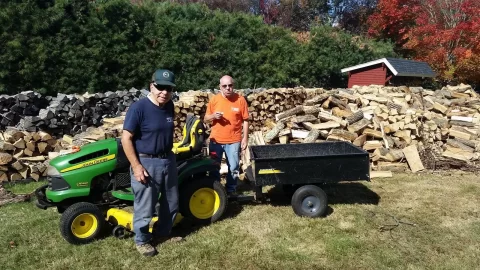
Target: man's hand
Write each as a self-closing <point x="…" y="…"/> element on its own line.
<point x="217" y="115"/>
<point x="244" y="144"/>
<point x="140" y="173"/>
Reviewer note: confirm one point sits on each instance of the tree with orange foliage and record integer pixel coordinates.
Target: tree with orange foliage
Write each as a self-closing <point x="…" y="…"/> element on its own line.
<point x="444" y="33"/>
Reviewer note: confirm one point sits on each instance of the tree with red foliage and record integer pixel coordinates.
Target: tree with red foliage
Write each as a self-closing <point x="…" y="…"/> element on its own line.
<point x="443" y="33"/>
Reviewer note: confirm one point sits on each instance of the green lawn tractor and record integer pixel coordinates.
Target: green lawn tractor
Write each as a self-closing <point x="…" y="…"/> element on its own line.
<point x="91" y="187"/>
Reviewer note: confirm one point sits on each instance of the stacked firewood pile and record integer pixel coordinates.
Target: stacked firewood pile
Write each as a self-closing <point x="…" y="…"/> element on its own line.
<point x="392" y="123"/>
<point x="24" y="154"/>
<point x="263" y="106"/>
<point x="14" y="108"/>
<point x="403" y="128"/>
<point x="69" y="114"/>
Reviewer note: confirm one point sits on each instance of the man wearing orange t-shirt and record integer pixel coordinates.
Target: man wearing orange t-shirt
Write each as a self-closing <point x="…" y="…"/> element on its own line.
<point x="228" y="112"/>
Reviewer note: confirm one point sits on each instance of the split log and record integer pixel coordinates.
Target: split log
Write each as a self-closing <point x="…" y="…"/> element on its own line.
<point x="325" y="116"/>
<point x="17" y="165"/>
<point x="461" y="133"/>
<point x="317" y="99"/>
<point x="336" y="111"/>
<point x="44" y="136"/>
<point x="360" y="140"/>
<point x="311" y="109"/>
<point x="274" y="132"/>
<point x="339" y="103"/>
<point x="20" y="143"/>
<point x="288" y="113"/>
<point x="356" y="127"/>
<point x="373" y="133"/>
<point x="461" y="123"/>
<point x="413" y="158"/>
<point x="312" y="136"/>
<point x="321" y="126"/>
<point x="30" y="146"/>
<point x="357" y="116"/>
<point x="13" y="135"/>
<point x="457" y="144"/>
<point x="300" y="134"/>
<point x="391" y="166"/>
<point x="457" y="153"/>
<point x="3" y="176"/>
<point x="304" y="118"/>
<point x="6" y="146"/>
<point x="5" y="158"/>
<point x="387" y="154"/>
<point x="15" y="177"/>
<point x="344" y="134"/>
<point x="371" y="145"/>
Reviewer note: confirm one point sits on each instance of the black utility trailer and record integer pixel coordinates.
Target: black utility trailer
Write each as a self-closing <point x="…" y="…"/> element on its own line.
<point x="305" y="166"/>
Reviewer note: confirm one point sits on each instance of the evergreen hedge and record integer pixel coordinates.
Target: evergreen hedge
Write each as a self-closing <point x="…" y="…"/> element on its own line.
<point x="73" y="46"/>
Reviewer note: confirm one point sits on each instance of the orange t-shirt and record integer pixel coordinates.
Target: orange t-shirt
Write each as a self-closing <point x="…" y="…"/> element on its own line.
<point x="228" y="129"/>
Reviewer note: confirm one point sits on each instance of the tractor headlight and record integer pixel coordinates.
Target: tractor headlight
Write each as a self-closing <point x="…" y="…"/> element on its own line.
<point x="52" y="171"/>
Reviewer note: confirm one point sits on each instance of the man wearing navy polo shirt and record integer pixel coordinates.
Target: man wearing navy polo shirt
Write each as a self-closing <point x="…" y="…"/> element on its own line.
<point x="147" y="140"/>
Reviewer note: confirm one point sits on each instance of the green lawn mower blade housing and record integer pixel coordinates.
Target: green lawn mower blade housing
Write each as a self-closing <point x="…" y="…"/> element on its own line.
<point x="77" y="170"/>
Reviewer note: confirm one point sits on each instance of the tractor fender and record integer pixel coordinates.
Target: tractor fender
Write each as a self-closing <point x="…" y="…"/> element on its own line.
<point x="186" y="173"/>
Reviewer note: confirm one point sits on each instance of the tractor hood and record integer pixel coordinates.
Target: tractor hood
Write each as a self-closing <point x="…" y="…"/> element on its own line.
<point x="103" y="151"/>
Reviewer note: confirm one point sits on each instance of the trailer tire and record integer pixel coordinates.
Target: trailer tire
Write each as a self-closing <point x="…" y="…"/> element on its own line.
<point x="309" y="201"/>
<point x="203" y="200"/>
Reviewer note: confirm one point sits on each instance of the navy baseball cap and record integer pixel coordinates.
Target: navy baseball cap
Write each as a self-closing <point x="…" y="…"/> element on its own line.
<point x="163" y="77"/>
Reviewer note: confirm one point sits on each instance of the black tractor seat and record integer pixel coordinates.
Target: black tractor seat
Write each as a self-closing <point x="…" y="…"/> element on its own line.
<point x="193" y="139"/>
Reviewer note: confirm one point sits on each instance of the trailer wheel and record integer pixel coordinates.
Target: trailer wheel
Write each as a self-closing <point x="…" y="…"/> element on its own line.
<point x="81" y="223"/>
<point x="203" y="200"/>
<point x="309" y="201"/>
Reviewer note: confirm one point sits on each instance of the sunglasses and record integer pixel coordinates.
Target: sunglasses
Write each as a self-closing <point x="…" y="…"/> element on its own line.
<point x="227" y="85"/>
<point x="167" y="88"/>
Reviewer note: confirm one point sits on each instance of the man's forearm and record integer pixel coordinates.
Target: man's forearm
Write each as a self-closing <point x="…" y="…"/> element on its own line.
<point x="245" y="130"/>
<point x="208" y="117"/>
<point x="130" y="152"/>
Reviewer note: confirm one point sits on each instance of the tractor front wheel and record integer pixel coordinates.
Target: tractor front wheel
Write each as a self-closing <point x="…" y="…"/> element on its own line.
<point x="203" y="200"/>
<point x="81" y="223"/>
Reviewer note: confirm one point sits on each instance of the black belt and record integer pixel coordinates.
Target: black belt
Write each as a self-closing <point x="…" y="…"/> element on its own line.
<point x="161" y="155"/>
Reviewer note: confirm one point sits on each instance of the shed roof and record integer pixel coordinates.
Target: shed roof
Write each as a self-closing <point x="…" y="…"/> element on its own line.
<point x="399" y="67"/>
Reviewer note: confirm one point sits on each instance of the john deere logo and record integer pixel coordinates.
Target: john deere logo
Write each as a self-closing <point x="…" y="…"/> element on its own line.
<point x="166" y="75"/>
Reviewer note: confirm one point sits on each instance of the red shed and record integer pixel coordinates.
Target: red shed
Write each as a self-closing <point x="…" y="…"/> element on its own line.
<point x="388" y="70"/>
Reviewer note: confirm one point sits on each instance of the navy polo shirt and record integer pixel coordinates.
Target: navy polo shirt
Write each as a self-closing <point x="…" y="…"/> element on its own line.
<point x="151" y="125"/>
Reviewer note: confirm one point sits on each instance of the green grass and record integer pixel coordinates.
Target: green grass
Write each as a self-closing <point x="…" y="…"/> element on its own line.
<point x="23" y="188"/>
<point x="443" y="208"/>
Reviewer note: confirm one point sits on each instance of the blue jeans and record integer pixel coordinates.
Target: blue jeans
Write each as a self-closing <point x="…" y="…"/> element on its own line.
<point x="232" y="151"/>
<point x="162" y="179"/>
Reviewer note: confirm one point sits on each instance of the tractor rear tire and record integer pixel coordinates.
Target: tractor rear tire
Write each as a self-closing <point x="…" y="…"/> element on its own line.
<point x="203" y="200"/>
<point x="309" y="201"/>
<point x="81" y="223"/>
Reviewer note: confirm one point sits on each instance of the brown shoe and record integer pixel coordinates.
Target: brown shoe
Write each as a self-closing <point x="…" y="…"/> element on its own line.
<point x="146" y="250"/>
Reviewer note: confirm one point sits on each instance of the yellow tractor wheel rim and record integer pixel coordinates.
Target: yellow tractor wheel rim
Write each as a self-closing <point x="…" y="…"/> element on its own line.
<point x="84" y="225"/>
<point x="204" y="203"/>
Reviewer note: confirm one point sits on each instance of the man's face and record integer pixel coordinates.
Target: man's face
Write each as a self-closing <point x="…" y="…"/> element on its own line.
<point x="226" y="86"/>
<point x="161" y="93"/>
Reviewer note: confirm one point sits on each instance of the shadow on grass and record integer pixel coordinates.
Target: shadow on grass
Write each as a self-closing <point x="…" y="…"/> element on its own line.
<point x="187" y="226"/>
